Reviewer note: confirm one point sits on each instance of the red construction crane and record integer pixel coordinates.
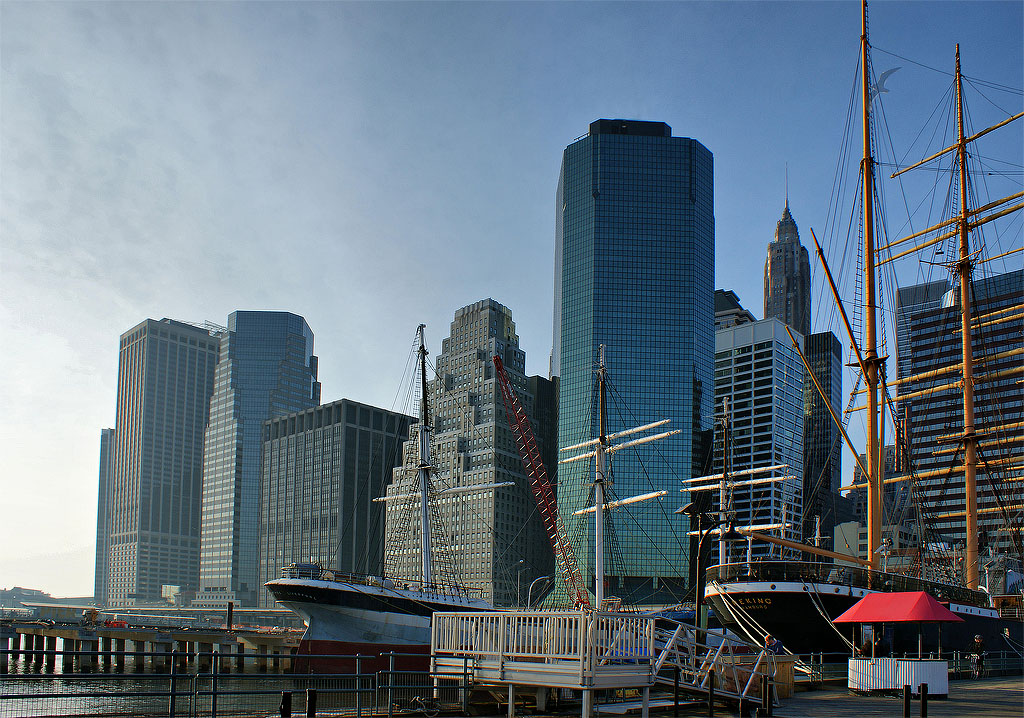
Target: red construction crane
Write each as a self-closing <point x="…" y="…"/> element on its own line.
<point x="565" y="557"/>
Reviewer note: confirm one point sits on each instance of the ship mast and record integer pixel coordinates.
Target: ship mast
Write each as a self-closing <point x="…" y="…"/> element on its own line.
<point x="601" y="460"/>
<point x="424" y="466"/>
<point x="871" y="359"/>
<point x="964" y="270"/>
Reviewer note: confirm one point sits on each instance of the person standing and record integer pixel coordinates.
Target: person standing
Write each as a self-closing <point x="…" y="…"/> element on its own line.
<point x="977" y="654"/>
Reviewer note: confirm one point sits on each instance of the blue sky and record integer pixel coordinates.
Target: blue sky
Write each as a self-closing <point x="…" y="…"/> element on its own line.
<point x="372" y="166"/>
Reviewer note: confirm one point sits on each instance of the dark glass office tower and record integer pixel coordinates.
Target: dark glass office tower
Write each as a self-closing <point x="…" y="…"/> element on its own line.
<point x="822" y="449"/>
<point x="635" y="237"/>
<point x="787" y="277"/>
<point x="322" y="469"/>
<point x="266" y="369"/>
<point x="930" y="402"/>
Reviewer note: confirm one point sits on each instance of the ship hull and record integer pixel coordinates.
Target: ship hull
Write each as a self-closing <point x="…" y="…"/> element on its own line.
<point x="349" y="619"/>
<point x="800" y="614"/>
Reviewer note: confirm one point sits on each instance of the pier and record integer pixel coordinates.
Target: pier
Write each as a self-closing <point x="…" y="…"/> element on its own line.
<point x="88" y="649"/>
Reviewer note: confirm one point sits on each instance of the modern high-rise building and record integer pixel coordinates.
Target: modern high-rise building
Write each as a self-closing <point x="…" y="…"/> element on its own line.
<point x="823" y="506"/>
<point x="322" y="469"/>
<point x="759" y="374"/>
<point x="491" y="541"/>
<point x="787" y="277"/>
<point x="930" y="402"/>
<point x="164" y="382"/>
<point x="267" y="368"/>
<point x="728" y="310"/>
<point x="635" y="271"/>
<point x="102" y="577"/>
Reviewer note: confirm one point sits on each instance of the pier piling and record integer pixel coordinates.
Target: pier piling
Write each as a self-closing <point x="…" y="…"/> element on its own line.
<point x="88" y="660"/>
<point x="67" y="658"/>
<point x="119" y="654"/>
<point x="105" y="648"/>
<point x="50" y="646"/>
<point x="139" y="656"/>
<point x="240" y="657"/>
<point x="203" y="654"/>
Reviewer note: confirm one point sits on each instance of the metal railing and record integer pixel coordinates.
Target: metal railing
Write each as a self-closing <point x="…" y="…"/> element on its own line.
<point x="819" y="667"/>
<point x="589" y="638"/>
<point x="195" y="686"/>
<point x="317" y="573"/>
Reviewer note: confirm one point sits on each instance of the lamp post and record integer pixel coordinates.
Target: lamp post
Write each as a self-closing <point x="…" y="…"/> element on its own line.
<point x="519" y="574"/>
<point x="529" y="591"/>
<point x="700" y="517"/>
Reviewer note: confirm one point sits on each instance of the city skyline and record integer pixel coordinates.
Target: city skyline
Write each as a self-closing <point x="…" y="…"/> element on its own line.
<point x="166" y="160"/>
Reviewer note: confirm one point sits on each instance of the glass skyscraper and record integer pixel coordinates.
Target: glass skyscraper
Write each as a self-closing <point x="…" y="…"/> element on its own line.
<point x="164" y="383"/>
<point x="102" y="578"/>
<point x="822" y="449"/>
<point x="266" y="369"/>
<point x="634" y="263"/>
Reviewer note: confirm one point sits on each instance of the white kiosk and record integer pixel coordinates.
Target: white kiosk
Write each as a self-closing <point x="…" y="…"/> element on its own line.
<point x="876" y="673"/>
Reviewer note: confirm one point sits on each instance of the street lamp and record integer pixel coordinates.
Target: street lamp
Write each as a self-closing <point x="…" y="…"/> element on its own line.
<point x="699" y="517"/>
<point x="519" y="573"/>
<point x="529" y="591"/>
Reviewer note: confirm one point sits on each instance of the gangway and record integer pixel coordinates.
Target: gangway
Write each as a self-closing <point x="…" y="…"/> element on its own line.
<point x="596" y="650"/>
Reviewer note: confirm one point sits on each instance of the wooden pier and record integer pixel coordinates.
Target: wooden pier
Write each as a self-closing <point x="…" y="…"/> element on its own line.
<point x="592" y="651"/>
<point x="133" y="649"/>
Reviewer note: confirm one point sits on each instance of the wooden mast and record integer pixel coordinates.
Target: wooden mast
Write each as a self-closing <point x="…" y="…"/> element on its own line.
<point x="426" y="560"/>
<point x="872" y="449"/>
<point x="964" y="270"/>
<point x="599" y="484"/>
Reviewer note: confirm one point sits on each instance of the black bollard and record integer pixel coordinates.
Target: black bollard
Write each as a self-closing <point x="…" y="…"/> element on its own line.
<point x="675" y="692"/>
<point x="924" y="700"/>
<point x="285" y="709"/>
<point x="906" y="701"/>
<point x="711" y="693"/>
<point x="311" y="703"/>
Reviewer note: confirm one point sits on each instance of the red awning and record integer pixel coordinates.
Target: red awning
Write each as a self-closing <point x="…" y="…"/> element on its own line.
<point x="911" y="606"/>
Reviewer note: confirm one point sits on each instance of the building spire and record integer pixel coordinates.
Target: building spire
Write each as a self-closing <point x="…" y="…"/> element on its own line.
<point x="787" y="187"/>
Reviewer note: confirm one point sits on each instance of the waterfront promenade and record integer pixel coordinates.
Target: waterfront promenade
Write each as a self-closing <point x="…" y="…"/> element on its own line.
<point x="1001" y="697"/>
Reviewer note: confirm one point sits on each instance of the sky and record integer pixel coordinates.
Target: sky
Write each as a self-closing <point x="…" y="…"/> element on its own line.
<point x="371" y="166"/>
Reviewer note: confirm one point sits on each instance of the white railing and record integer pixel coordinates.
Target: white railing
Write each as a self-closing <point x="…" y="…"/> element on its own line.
<point x="584" y="642"/>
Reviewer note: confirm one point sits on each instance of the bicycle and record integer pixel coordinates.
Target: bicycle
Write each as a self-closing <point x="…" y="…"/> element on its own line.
<point x="426" y="706"/>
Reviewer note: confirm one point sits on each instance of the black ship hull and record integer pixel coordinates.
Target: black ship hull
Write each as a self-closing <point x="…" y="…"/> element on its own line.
<point x="796" y="602"/>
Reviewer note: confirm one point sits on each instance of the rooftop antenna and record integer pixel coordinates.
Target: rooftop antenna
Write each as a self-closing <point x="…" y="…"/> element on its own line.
<point x="787" y="185"/>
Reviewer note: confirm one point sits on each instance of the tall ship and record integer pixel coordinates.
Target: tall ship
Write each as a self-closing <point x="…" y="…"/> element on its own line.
<point x="795" y="600"/>
<point x="347" y="614"/>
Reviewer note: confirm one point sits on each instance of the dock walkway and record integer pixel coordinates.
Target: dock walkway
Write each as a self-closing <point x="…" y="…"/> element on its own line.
<point x="991" y="697"/>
